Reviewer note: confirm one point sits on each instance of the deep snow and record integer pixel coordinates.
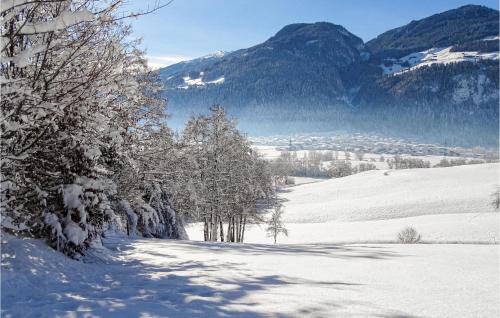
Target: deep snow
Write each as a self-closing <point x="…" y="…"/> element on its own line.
<point x="163" y="278"/>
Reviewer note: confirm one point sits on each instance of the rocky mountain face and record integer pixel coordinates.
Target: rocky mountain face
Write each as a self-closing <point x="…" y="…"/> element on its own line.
<point x="433" y="80"/>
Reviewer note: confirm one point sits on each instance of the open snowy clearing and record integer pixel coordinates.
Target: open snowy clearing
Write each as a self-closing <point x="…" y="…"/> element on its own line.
<point x="162" y="278"/>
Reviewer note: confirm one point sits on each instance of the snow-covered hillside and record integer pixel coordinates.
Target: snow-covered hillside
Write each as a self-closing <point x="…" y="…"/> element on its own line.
<point x="372" y="195"/>
<point x="444" y="204"/>
<point x="164" y="278"/>
<point x="435" y="56"/>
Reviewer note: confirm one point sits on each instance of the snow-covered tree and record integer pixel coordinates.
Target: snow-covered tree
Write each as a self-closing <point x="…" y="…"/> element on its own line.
<point x="225" y="177"/>
<point x="275" y="224"/>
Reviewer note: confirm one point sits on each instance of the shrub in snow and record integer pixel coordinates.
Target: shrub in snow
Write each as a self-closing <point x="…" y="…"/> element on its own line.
<point x="409" y="236"/>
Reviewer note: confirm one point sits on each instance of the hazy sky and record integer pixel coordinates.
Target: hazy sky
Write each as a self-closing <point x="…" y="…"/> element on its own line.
<point x="191" y="28"/>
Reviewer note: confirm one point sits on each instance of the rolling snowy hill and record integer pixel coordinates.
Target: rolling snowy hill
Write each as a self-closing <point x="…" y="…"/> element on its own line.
<point x="444" y="204"/>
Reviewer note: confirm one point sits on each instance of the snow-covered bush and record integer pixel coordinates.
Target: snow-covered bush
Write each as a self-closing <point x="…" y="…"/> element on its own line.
<point x="409" y="236"/>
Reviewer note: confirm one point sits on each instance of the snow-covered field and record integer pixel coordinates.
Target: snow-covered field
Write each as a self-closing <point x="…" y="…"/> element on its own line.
<point x="336" y="261"/>
<point x="162" y="278"/>
<point x="445" y="205"/>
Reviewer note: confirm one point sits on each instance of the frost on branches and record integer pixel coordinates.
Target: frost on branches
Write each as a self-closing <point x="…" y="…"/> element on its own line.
<point x="227" y="181"/>
<point x="77" y="103"/>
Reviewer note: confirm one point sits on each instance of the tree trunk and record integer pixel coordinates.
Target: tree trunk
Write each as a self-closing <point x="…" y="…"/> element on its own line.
<point x="243" y="229"/>
<point x="239" y="230"/>
<point x="221" y="230"/>
<point x="232" y="231"/>
<point x="205" y="229"/>
<point x="213" y="235"/>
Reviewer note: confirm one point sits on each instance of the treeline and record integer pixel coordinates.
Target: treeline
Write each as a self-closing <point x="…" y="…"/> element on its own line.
<point x="84" y="143"/>
<point x="329" y="164"/>
<point x="317" y="164"/>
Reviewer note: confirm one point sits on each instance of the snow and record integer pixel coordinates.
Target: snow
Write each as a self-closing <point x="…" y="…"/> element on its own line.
<point x="312" y="42"/>
<point x="132" y="216"/>
<point x="62" y="21"/>
<point x="492" y="38"/>
<point x="336" y="261"/>
<point x="163" y="278"/>
<point x="72" y="194"/>
<point x="74" y="233"/>
<point x="196" y="82"/>
<point x="219" y="80"/>
<point x="305" y="180"/>
<point x="435" y="56"/>
<point x="372" y="195"/>
<point x="53" y="221"/>
<point x="215" y="54"/>
<point x="480" y="228"/>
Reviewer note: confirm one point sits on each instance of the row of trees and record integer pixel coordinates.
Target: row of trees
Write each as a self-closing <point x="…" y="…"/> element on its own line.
<point x="317" y="164"/>
<point x="327" y="164"/>
<point x="79" y="106"/>
<point x="83" y="141"/>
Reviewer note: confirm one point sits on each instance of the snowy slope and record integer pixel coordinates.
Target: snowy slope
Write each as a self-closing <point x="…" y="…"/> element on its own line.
<point x="372" y="195"/>
<point x="162" y="278"/>
<point x="446" y="205"/>
<point x="435" y="56"/>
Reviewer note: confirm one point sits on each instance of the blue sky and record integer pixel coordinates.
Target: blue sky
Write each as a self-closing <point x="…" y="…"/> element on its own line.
<point x="191" y="28"/>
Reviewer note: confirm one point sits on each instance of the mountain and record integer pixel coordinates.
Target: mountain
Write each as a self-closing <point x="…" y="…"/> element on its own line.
<point x="434" y="80"/>
<point x="467" y="25"/>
